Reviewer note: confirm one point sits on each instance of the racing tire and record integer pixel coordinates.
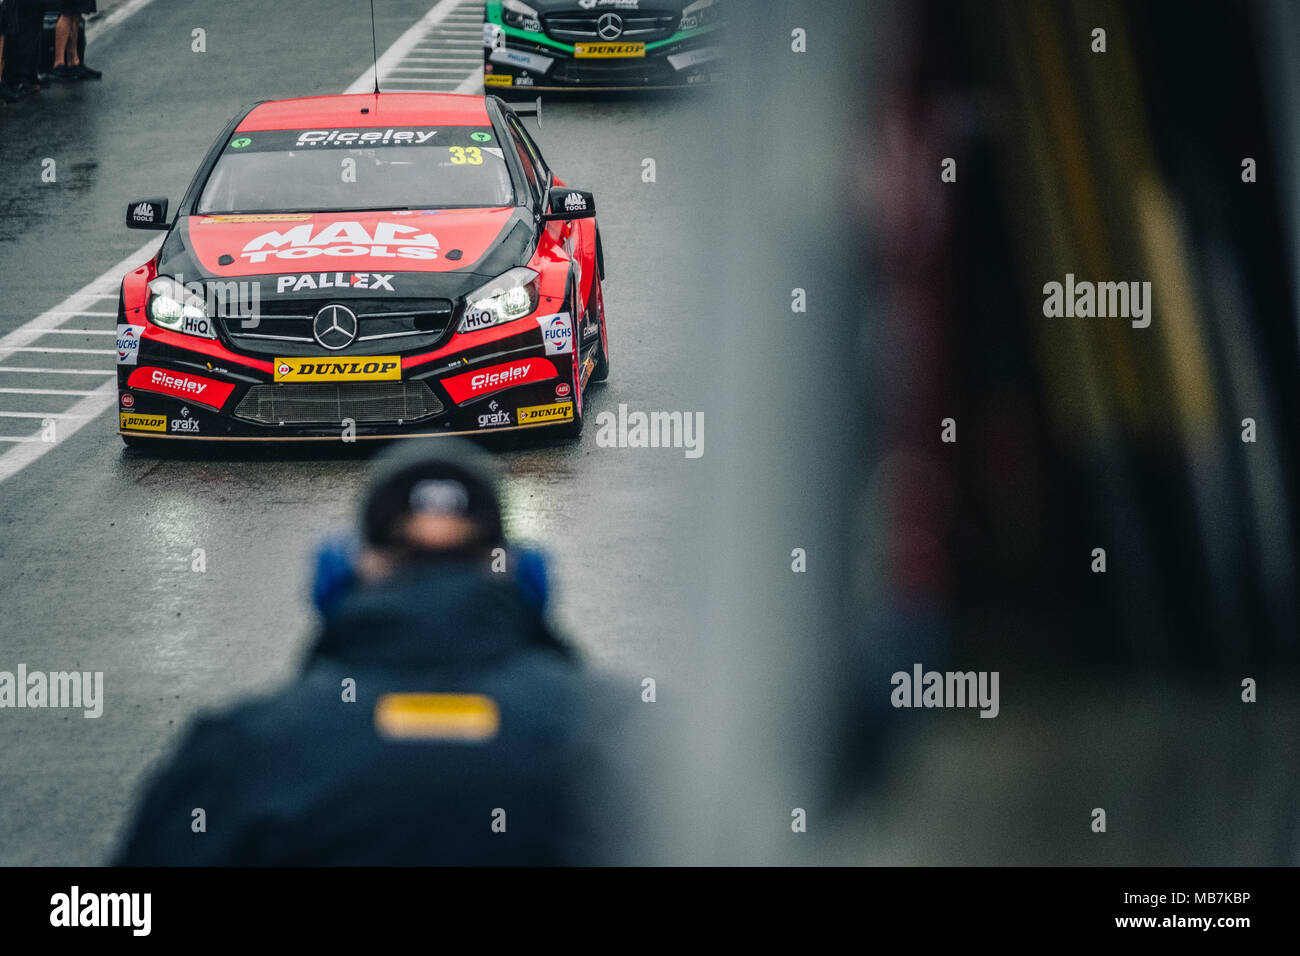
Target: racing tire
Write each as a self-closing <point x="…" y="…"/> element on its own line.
<point x="573" y="429"/>
<point x="597" y="303"/>
<point x="139" y="443"/>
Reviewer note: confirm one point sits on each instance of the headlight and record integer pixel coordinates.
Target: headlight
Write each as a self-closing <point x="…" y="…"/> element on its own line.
<point x="174" y="307"/>
<point x="504" y="299"/>
<point x="520" y="15"/>
<point x="700" y="13"/>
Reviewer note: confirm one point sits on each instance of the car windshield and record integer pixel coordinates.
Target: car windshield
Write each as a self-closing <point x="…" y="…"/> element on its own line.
<point x="308" y="170"/>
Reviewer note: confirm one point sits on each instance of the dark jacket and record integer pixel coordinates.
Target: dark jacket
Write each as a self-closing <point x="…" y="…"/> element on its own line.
<point x="301" y="777"/>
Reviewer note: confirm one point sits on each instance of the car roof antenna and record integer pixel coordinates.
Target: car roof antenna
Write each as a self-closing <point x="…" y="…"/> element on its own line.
<point x="374" y="45"/>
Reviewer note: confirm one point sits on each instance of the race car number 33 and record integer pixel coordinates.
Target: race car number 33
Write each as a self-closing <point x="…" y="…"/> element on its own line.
<point x="372" y="368"/>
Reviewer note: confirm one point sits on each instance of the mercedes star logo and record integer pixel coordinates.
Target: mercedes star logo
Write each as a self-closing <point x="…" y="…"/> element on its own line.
<point x="335" y="327"/>
<point x="609" y="26"/>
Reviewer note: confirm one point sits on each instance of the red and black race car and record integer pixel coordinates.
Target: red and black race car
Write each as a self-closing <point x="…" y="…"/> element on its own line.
<point x="364" y="266"/>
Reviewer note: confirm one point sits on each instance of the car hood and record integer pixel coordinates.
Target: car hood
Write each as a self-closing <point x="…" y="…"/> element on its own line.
<point x="423" y="253"/>
<point x="606" y="6"/>
<point x="447" y="240"/>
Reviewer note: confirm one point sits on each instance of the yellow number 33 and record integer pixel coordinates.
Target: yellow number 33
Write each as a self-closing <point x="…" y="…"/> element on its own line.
<point x="461" y="155"/>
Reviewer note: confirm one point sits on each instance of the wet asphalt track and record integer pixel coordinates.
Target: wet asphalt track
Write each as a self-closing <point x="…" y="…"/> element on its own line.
<point x="96" y="542"/>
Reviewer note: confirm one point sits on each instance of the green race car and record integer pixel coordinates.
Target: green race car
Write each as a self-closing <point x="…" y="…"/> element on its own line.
<point x="600" y="44"/>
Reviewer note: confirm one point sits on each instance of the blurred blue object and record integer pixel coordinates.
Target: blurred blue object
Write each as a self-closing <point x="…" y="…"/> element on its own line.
<point x="534" y="580"/>
<point x="335" y="572"/>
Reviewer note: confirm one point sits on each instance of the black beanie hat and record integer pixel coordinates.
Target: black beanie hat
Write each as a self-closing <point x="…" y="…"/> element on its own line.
<point x="447" y="475"/>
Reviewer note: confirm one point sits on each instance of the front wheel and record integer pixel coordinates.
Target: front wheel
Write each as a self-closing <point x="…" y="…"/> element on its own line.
<point x="138" y="443"/>
<point x="596" y="305"/>
<point x="573" y="427"/>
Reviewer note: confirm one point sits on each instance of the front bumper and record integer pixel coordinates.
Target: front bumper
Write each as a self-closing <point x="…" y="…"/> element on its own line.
<point x="517" y="60"/>
<point x="178" y="387"/>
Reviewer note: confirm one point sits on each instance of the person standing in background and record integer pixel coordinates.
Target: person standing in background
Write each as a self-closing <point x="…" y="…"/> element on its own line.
<point x="68" y="67"/>
<point x="5" y="94"/>
<point x="22" y="48"/>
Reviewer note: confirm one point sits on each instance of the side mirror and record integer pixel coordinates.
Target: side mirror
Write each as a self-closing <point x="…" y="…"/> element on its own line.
<point x="564" y="204"/>
<point x="147" y="214"/>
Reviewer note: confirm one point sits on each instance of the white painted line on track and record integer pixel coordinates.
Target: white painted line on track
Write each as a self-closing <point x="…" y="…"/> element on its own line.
<point x="89" y="404"/>
<point x="29" y="332"/>
<point x="426" y="70"/>
<point x="97" y="27"/>
<point x="57" y="371"/>
<point x="471" y="83"/>
<point x="404" y="45"/>
<point x="55" y="349"/>
<point x="39" y="415"/>
<point x="20" y="456"/>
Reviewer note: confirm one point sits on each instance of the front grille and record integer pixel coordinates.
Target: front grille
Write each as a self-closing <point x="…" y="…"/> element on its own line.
<point x="366" y="403"/>
<point x="384" y="326"/>
<point x="639" y="26"/>
<point x="597" y="72"/>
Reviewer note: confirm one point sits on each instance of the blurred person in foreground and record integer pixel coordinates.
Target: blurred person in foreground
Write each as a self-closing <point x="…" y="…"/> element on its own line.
<point x="467" y="737"/>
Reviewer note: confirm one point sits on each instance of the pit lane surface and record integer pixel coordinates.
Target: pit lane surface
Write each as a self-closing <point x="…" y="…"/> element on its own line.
<point x="98" y="545"/>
